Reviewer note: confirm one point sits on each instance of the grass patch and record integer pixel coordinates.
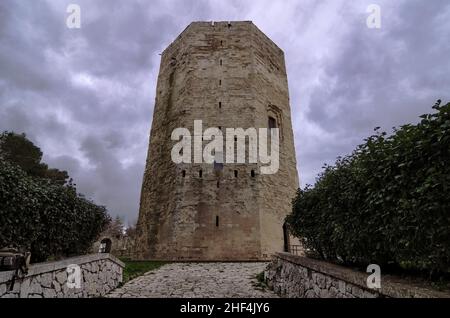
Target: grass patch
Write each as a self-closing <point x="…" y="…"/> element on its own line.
<point x="260" y="282"/>
<point x="134" y="269"/>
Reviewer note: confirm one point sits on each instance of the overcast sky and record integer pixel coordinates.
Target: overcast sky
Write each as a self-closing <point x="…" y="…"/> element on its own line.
<point x="86" y="96"/>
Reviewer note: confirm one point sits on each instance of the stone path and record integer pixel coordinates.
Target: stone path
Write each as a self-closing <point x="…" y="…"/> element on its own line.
<point x="197" y="280"/>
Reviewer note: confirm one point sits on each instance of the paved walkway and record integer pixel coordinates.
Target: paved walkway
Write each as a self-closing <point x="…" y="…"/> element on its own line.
<point x="197" y="280"/>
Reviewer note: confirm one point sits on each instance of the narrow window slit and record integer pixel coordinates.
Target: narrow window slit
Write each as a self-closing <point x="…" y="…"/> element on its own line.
<point x="272" y="123"/>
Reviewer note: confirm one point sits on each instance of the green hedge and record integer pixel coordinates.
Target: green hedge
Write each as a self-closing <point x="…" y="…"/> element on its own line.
<point x="386" y="203"/>
<point x="46" y="218"/>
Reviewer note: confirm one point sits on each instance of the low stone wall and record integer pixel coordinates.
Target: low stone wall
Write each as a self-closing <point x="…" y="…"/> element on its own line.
<point x="301" y="277"/>
<point x="100" y="273"/>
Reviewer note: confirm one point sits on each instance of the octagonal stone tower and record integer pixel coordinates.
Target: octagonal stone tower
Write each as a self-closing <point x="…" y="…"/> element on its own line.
<point x="229" y="75"/>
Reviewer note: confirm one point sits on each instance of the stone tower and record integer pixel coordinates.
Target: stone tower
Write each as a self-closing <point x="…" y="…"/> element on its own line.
<point x="227" y="74"/>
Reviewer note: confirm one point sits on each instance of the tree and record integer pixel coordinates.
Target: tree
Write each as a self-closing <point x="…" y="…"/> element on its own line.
<point x="130" y="231"/>
<point x="17" y="149"/>
<point x="40" y="209"/>
<point x="116" y="227"/>
<point x="46" y="218"/>
<point x="21" y="151"/>
<point x="387" y="203"/>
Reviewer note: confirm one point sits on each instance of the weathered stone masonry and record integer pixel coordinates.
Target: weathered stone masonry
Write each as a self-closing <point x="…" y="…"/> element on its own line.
<point x="301" y="277"/>
<point x="229" y="75"/>
<point x="100" y="273"/>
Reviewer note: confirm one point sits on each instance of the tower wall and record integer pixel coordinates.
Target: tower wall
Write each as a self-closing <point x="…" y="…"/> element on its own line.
<point x="228" y="76"/>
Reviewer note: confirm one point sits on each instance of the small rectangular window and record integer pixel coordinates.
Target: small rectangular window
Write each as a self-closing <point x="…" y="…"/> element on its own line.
<point x="272" y="123"/>
<point x="200" y="173"/>
<point x="220" y="104"/>
<point x="217" y="221"/>
<point x="253" y="173"/>
<point x="236" y="173"/>
<point x="220" y="82"/>
<point x="220" y="62"/>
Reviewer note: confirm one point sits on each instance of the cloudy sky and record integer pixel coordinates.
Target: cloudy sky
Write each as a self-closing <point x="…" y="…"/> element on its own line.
<point x="86" y="96"/>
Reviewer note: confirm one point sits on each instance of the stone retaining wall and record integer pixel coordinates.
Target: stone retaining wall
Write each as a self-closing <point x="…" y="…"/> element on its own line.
<point x="100" y="273"/>
<point x="301" y="277"/>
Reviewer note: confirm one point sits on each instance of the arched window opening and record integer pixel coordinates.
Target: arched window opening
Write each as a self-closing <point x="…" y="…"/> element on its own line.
<point x="105" y="246"/>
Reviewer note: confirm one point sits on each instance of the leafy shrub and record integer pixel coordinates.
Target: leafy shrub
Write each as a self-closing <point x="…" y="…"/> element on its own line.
<point x="386" y="203"/>
<point x="44" y="217"/>
<point x="16" y="148"/>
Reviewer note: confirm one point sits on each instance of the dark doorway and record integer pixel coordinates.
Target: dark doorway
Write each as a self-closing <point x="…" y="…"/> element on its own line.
<point x="286" y="238"/>
<point x="105" y="246"/>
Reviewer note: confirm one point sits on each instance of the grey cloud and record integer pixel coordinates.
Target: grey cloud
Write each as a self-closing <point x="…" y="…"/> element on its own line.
<point x="384" y="77"/>
<point x="86" y="96"/>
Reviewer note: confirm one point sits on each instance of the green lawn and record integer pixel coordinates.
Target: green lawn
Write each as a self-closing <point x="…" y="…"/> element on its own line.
<point x="134" y="269"/>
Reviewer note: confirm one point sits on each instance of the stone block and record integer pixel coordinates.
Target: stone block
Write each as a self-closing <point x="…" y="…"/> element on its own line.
<point x="310" y="294"/>
<point x="48" y="293"/>
<point x="25" y="287"/>
<point x="341" y="285"/>
<point x="56" y="286"/>
<point x="61" y="277"/>
<point x="3" y="289"/>
<point x="46" y="280"/>
<point x="333" y="292"/>
<point x="321" y="282"/>
<point x="357" y="292"/>
<point x="35" y="287"/>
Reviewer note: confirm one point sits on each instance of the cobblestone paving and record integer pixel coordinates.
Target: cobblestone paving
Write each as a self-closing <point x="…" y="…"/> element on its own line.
<point x="197" y="280"/>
